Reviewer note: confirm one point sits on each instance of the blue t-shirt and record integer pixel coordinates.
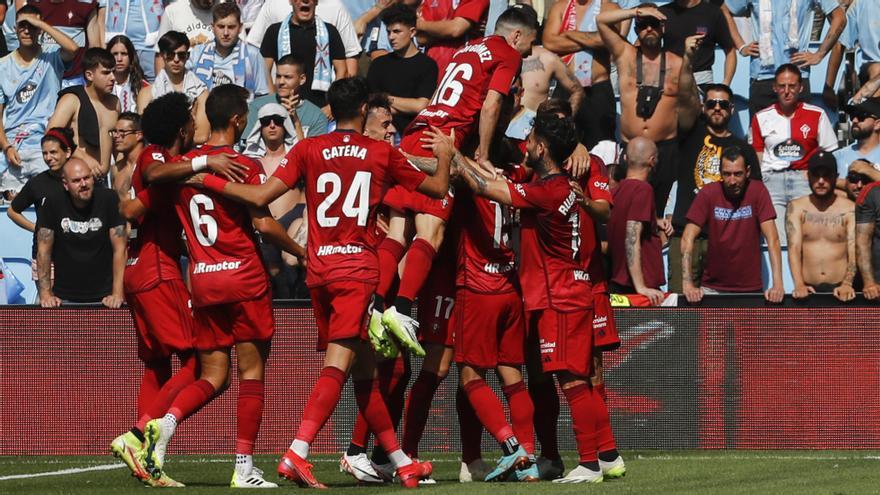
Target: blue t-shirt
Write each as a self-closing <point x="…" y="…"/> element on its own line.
<point x="845" y="157"/>
<point x="224" y="68"/>
<point x="863" y="28"/>
<point x="29" y="95"/>
<point x="780" y="25"/>
<point x="9" y="29"/>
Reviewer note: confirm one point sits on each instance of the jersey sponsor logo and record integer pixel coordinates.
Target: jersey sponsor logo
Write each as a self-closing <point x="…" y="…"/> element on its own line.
<point x="480" y="49"/>
<point x="520" y="189"/>
<point x="601" y="184"/>
<point x="220" y="78"/>
<point x="92" y="224"/>
<point x="159" y="157"/>
<point x="498" y="268"/>
<point x="600" y="322"/>
<point x="789" y="151"/>
<point x="434" y="113"/>
<point x="567" y="204"/>
<point x="349" y="150"/>
<point x="131" y="261"/>
<point x="344" y="249"/>
<point x="223" y="266"/>
<point x="581" y="276"/>
<point x="729" y="214"/>
<point x="26" y="93"/>
<point x="547" y="347"/>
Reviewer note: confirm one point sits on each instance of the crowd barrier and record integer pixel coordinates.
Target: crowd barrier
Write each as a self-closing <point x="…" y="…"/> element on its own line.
<point x="690" y="377"/>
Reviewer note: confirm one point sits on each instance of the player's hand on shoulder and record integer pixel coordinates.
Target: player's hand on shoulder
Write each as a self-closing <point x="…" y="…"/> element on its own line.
<point x="113" y="301"/>
<point x="224" y="165"/>
<point x="844" y="293"/>
<point x="803" y="291"/>
<point x="774" y="294"/>
<point x="578" y="164"/>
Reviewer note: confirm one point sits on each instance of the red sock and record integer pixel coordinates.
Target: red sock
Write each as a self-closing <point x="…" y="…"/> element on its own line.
<point x="470" y="428"/>
<point x="191" y="399"/>
<point x="321" y="403"/>
<point x="417" y="408"/>
<point x="394" y="377"/>
<point x="546" y="416"/>
<point x="488" y="409"/>
<point x="418" y="263"/>
<point x="390" y="253"/>
<point x="600" y="389"/>
<point x="360" y="434"/>
<point x="156" y="373"/>
<point x="186" y="375"/>
<point x="583" y="420"/>
<point x="249" y="415"/>
<point x="604" y="433"/>
<point x="521" y="415"/>
<point x="372" y="406"/>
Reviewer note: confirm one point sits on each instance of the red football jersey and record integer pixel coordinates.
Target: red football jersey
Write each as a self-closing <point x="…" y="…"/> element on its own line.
<point x="595" y="186"/>
<point x="346" y="176"/>
<point x="441" y="51"/>
<point x="154" y="246"/>
<point x="486" y="262"/>
<point x="551" y="273"/>
<point x="224" y="257"/>
<point x="483" y="64"/>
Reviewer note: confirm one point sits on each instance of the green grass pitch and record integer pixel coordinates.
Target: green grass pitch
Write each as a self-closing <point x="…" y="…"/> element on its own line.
<point x="679" y="471"/>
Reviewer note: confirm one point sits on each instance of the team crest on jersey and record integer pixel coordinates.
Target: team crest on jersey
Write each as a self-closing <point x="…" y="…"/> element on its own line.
<point x="805" y="130"/>
<point x="346" y="138"/>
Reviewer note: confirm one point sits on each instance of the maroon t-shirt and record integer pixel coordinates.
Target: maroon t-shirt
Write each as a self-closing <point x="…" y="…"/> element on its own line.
<point x="733" y="261"/>
<point x="634" y="200"/>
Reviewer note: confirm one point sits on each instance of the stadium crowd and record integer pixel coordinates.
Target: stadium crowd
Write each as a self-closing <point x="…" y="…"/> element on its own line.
<point x="519" y="188"/>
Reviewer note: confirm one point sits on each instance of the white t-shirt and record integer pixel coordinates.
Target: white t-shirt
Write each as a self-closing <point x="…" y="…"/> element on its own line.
<point x="329" y="11"/>
<point x="194" y="23"/>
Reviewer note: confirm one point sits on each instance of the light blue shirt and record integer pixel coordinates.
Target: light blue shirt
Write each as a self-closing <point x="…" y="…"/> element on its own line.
<point x="863" y="28"/>
<point x="224" y="68"/>
<point x="781" y="22"/>
<point x="845" y="157"/>
<point x="9" y="29"/>
<point x="29" y="95"/>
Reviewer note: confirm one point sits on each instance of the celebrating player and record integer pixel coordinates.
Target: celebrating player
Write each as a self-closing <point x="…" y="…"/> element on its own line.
<point x="346" y="175"/>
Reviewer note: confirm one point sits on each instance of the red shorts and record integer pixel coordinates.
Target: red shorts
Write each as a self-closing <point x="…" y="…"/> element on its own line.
<point x="436" y="302"/>
<point x="163" y="320"/>
<point x="401" y="199"/>
<point x="565" y="340"/>
<point x="341" y="310"/>
<point x="605" y="336"/>
<point x="489" y="329"/>
<point x="223" y="325"/>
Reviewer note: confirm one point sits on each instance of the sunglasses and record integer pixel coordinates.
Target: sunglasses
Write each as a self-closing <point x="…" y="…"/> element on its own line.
<point x="862" y="116"/>
<point x="857" y="178"/>
<point x="723" y="104"/>
<point x="649" y="22"/>
<point x="182" y="56"/>
<point x="276" y="119"/>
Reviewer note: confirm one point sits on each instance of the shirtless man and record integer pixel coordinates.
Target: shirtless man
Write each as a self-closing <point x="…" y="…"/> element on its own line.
<point x="128" y="144"/>
<point x="821" y="232"/>
<point x="91" y="111"/>
<point x="656" y="88"/>
<point x="570" y="32"/>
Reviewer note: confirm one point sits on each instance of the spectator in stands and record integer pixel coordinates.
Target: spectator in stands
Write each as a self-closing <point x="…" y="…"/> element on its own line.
<point x="860" y="34"/>
<point x="190" y="17"/>
<point x="379" y="123"/>
<point x="228" y="59"/>
<point x="78" y="19"/>
<point x="868" y="239"/>
<point x="634" y="231"/>
<point x="736" y="212"/>
<point x="57" y="147"/>
<point x="275" y="127"/>
<point x="656" y="88"/>
<point x="688" y="17"/>
<point x="128" y="143"/>
<point x="855" y="181"/>
<point x="249" y="11"/>
<point x="330" y="11"/>
<point x="300" y="34"/>
<point x="82" y="233"/>
<point x="174" y="77"/>
<point x="91" y="111"/>
<point x="865" y="129"/>
<point x="785" y="135"/>
<point x="30" y="78"/>
<point x="444" y="26"/>
<point x="699" y="164"/>
<point x="782" y="38"/>
<point x="138" y="21"/>
<point x="407" y="75"/>
<point x="128" y="74"/>
<point x="821" y="230"/>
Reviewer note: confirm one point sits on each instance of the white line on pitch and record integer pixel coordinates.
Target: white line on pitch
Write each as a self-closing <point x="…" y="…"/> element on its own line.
<point x="102" y="467"/>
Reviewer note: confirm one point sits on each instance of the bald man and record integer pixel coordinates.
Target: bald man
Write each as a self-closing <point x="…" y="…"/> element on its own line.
<point x="635" y="234"/>
<point x="81" y="232"/>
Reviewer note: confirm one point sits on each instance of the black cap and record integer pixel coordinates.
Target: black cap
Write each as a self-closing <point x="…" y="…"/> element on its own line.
<point x="870" y="106"/>
<point x="822" y="160"/>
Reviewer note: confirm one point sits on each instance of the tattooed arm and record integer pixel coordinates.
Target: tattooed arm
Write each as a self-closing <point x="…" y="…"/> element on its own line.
<point x="634" y="262"/>
<point x="864" y="238"/>
<point x="45" y="241"/>
<point x="567" y="80"/>
<point x="793" y="222"/>
<point x="119" y="241"/>
<point x="692" y="293"/>
<point x="844" y="292"/>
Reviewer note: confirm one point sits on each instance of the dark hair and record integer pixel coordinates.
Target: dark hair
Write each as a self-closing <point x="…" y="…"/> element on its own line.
<point x="346" y="97"/>
<point x="132" y="117"/>
<point x="226" y="9"/>
<point x="135" y="71"/>
<point x="399" y="13"/>
<point x="788" y="68"/>
<point x="98" y="56"/>
<point x="61" y="135"/>
<point x="29" y="9"/>
<point x="720" y="87"/>
<point x="172" y="40"/>
<point x="514" y="18"/>
<point x="732" y="154"/>
<point x="164" y="117"/>
<point x="378" y="100"/>
<point x="555" y="106"/>
<point x="291" y="59"/>
<point x="560" y="135"/>
<point x="223" y="103"/>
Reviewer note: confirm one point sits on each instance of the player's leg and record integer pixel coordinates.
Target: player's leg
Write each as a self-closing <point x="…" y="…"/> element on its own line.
<point x="390" y="252"/>
<point x="542" y="390"/>
<point x="583" y="403"/>
<point x="157" y="371"/>
<point x="471" y="432"/>
<point x="252" y="358"/>
<point x="610" y="461"/>
<point x="435" y="368"/>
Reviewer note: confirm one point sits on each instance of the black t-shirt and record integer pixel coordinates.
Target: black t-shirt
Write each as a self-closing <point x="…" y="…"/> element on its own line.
<point x="81" y="251"/>
<point x="34" y="194"/>
<point x="700" y="164"/>
<point x="303" y="46"/>
<point x="413" y="77"/>
<point x="682" y="22"/>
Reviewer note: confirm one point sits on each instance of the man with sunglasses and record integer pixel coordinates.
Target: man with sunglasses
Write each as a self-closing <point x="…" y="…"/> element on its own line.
<point x="699" y="164"/>
<point x="865" y="129"/>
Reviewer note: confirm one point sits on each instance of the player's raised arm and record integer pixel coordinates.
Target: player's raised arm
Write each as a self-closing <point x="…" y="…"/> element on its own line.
<point x="222" y="164"/>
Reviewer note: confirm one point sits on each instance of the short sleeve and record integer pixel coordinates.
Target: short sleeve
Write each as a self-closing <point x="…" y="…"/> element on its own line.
<point x="403" y="171"/>
<point x="641" y="209"/>
<point x="765" y="206"/>
<point x="164" y="25"/>
<point x="114" y="218"/>
<point x="269" y="45"/>
<point x="829" y="5"/>
<point x="24" y="199"/>
<point x="597" y="188"/>
<point x="505" y="72"/>
<point x="337" y="49"/>
<point x="428" y="82"/>
<point x="850" y="33"/>
<point x="316" y="121"/>
<point x="697" y="214"/>
<point x="866" y="205"/>
<point x="827" y="136"/>
<point x="47" y="217"/>
<point x="524" y="195"/>
<point x="288" y="170"/>
<point x="757" y="138"/>
<point x="472" y="10"/>
<point x="738" y="7"/>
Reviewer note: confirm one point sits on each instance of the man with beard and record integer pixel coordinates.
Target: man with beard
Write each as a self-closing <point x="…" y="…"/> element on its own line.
<point x="736" y="211"/>
<point x="699" y="162"/>
<point x="822" y="235"/>
<point x="865" y="129"/>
